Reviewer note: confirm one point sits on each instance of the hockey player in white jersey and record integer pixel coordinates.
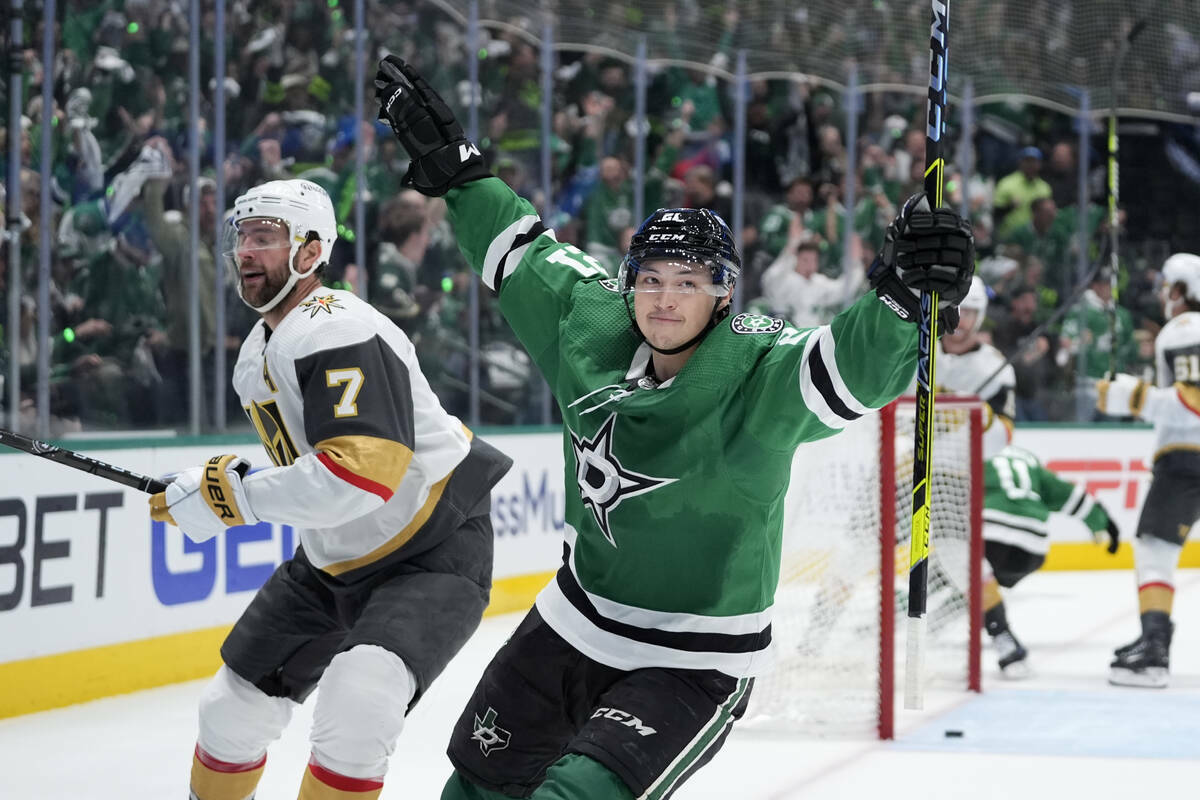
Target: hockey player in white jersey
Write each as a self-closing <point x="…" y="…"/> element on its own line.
<point x="391" y="499"/>
<point x="1172" y="505"/>
<point x="968" y="365"/>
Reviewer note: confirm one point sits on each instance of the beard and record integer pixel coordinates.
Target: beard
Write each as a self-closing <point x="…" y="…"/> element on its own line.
<point x="264" y="291"/>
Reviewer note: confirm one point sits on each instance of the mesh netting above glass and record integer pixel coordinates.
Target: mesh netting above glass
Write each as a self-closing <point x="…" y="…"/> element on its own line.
<point x="1048" y="49"/>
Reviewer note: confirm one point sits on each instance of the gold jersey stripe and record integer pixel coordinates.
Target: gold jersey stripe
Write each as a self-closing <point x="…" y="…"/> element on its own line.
<point x="381" y="461"/>
<point x="1190" y="395"/>
<point x="401" y="538"/>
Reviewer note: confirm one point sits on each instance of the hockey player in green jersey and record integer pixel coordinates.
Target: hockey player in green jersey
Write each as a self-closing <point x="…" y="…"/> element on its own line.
<point x="1019" y="495"/>
<point x="680" y="422"/>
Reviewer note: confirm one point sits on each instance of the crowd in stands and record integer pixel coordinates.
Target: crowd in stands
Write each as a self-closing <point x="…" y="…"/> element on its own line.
<point x="122" y="201"/>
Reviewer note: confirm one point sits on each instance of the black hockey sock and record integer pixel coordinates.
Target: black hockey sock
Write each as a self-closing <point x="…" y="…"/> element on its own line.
<point x="995" y="620"/>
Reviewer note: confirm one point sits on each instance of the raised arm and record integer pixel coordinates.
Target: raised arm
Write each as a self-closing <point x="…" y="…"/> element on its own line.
<point x="499" y="233"/>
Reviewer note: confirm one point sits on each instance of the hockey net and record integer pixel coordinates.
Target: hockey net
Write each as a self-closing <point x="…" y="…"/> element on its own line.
<point x="843" y="584"/>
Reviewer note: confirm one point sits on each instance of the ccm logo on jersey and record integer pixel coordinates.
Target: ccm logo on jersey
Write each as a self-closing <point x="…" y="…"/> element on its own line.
<point x="624" y="718"/>
<point x="665" y="237"/>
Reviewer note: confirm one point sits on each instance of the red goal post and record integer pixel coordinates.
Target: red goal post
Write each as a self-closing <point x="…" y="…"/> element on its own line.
<point x="843" y="573"/>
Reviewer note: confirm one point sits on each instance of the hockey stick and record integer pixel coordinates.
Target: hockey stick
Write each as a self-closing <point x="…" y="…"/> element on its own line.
<point x="922" y="511"/>
<point x="1114" y="192"/>
<point x="70" y="458"/>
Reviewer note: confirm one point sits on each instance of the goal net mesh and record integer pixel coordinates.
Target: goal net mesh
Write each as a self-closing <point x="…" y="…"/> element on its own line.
<point x="828" y="678"/>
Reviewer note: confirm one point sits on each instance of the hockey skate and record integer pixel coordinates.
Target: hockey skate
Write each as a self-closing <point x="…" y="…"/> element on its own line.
<point x="1142" y="663"/>
<point x="1012" y="656"/>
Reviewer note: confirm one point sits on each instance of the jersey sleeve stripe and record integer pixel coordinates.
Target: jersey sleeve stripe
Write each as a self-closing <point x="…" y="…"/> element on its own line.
<point x="366" y="484"/>
<point x="502" y="249"/>
<point x="1075" y="501"/>
<point x="1189" y="396"/>
<point x="822" y="387"/>
<point x="381" y="461"/>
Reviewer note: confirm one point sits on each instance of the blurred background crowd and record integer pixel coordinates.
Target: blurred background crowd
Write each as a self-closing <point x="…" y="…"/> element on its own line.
<point x="830" y="142"/>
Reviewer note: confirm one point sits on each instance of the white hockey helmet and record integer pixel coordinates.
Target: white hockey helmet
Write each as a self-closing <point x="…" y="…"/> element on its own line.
<point x="977" y="301"/>
<point x="1180" y="268"/>
<point x="302" y="208"/>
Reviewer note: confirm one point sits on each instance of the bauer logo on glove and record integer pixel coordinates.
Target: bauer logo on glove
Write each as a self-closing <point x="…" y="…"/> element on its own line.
<point x="203" y="501"/>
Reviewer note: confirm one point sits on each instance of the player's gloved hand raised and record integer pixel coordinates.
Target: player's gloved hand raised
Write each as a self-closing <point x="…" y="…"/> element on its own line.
<point x="203" y="501"/>
<point x="442" y="156"/>
<point x="925" y="250"/>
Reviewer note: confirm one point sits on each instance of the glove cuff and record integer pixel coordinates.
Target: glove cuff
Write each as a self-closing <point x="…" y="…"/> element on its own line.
<point x="222" y="490"/>
<point x="905" y="301"/>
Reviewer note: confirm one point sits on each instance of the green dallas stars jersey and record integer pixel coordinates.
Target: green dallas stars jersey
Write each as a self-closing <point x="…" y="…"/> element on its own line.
<point x="1018" y="496"/>
<point x="674" y="531"/>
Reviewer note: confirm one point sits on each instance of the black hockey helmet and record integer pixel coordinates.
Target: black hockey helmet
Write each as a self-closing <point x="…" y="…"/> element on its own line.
<point x="686" y="235"/>
<point x="695" y="238"/>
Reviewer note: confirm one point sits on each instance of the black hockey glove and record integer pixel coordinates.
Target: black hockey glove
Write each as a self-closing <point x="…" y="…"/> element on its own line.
<point x="442" y="157"/>
<point x="925" y="250"/>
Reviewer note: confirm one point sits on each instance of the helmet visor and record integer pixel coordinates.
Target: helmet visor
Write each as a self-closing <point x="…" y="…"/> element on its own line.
<point x="243" y="238"/>
<point x="676" y="275"/>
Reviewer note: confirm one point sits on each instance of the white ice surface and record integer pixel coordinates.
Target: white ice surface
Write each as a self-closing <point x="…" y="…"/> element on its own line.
<point x="1062" y="734"/>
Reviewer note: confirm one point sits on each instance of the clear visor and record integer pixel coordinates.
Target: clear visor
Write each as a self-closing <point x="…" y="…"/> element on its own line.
<point x="671" y="275"/>
<point x="242" y="239"/>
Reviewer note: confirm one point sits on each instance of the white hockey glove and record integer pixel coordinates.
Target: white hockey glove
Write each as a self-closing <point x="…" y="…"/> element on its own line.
<point x="203" y="501"/>
<point x="1121" y="395"/>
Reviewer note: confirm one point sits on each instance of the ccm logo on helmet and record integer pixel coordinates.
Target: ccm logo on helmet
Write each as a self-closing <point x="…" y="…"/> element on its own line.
<point x="665" y="237"/>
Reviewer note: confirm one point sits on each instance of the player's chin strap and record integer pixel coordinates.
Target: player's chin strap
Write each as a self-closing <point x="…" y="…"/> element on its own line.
<point x="719" y="313"/>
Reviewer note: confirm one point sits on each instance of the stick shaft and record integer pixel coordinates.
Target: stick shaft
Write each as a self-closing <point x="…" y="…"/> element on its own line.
<point x="922" y="516"/>
<point x="74" y="460"/>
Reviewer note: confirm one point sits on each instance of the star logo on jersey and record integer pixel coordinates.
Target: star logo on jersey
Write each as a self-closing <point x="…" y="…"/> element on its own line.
<point x="317" y="304"/>
<point x="489" y="735"/>
<point x="755" y="323"/>
<point x="603" y="481"/>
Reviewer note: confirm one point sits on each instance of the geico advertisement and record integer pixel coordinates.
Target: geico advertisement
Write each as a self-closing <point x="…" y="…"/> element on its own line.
<point x="1112" y="464"/>
<point x="82" y="565"/>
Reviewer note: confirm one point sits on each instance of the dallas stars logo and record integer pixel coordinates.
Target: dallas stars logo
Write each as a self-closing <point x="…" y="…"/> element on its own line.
<point x="755" y="323"/>
<point x="603" y="481"/>
<point x="489" y="735"/>
<point x="326" y="303"/>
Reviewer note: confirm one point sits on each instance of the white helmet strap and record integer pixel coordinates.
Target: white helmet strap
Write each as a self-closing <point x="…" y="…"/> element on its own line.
<point x="293" y="278"/>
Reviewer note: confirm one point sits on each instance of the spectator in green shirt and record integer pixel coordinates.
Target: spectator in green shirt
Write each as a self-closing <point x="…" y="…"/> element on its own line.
<point x="1016" y="192"/>
<point x="798" y="202"/>
<point x="1050" y="243"/>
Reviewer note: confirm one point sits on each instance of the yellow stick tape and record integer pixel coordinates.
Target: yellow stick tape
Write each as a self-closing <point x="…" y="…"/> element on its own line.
<point x="63" y="679"/>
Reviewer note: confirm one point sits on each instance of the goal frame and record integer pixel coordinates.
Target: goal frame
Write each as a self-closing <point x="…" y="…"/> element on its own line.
<point x="887" y="550"/>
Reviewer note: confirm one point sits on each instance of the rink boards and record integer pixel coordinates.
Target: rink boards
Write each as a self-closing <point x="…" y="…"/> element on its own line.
<point x="96" y="600"/>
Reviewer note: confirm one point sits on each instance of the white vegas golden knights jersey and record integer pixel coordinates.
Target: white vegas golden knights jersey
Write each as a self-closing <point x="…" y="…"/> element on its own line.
<point x="362" y="447"/>
<point x="1174" y="405"/>
<point x="966" y="373"/>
